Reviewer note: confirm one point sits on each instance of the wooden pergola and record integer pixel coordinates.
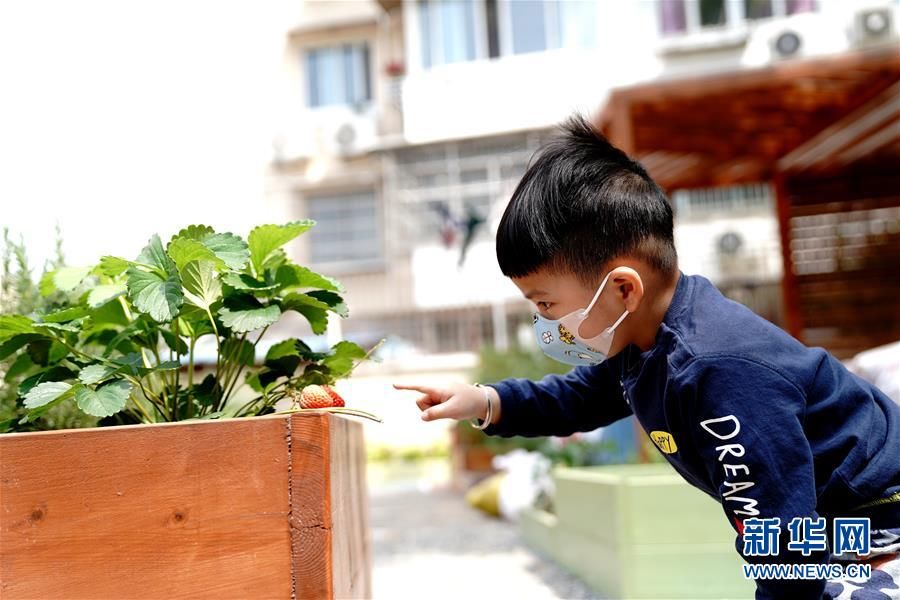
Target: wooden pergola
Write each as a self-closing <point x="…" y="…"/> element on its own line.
<point x="826" y="133"/>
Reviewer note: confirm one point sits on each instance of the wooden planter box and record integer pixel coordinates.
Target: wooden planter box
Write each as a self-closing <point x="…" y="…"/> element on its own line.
<point x="639" y="531"/>
<point x="264" y="507"/>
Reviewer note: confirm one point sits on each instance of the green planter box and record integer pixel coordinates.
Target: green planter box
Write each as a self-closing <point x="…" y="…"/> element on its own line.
<point x="639" y="531"/>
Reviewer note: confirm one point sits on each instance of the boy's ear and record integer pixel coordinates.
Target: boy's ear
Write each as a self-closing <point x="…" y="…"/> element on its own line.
<point x="628" y="284"/>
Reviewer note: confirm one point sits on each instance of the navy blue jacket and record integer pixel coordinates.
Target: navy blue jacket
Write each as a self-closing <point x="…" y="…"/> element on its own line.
<point x="761" y="423"/>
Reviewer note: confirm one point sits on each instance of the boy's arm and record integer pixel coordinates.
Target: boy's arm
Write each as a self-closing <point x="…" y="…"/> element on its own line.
<point x="582" y="400"/>
<point x="747" y="425"/>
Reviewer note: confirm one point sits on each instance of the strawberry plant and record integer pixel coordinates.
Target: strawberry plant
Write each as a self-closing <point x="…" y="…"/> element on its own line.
<point x="122" y="346"/>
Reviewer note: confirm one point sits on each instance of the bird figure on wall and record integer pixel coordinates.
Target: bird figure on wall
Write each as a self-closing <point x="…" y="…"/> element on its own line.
<point x="451" y="227"/>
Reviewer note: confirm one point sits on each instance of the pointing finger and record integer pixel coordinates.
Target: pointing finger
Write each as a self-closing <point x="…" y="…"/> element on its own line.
<point x="425" y="389"/>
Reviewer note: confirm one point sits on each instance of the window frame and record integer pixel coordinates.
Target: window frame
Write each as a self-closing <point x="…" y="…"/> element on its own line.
<point x="735" y="18"/>
<point x="435" y="38"/>
<point x="363" y="47"/>
<point x="347" y="264"/>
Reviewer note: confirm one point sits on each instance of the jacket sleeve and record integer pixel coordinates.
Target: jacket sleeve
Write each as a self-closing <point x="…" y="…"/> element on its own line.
<point x="584" y="399"/>
<point x="747" y="425"/>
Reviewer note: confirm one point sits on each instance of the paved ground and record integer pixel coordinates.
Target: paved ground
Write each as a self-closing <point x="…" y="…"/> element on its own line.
<point x="431" y="544"/>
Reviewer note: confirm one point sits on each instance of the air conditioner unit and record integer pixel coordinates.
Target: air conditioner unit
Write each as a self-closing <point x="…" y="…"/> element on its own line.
<point x="796" y="36"/>
<point x="874" y="26"/>
<point x="345" y="132"/>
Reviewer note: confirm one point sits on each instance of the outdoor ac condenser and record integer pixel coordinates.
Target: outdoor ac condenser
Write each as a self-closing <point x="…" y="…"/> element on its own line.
<point x="874" y="27"/>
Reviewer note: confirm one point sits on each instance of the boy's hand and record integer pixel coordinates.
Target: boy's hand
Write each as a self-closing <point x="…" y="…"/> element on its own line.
<point x="457" y="401"/>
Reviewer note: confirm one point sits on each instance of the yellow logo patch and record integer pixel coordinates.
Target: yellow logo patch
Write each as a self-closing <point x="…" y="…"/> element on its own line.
<point x="664" y="441"/>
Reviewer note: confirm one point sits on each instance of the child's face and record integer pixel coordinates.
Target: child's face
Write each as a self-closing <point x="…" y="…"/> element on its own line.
<point x="555" y="295"/>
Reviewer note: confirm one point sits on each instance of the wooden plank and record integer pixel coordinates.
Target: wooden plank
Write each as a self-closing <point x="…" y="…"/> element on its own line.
<point x="855" y="65"/>
<point x="330" y="525"/>
<point x="311" y="523"/>
<point x="186" y="510"/>
<point x="351" y="538"/>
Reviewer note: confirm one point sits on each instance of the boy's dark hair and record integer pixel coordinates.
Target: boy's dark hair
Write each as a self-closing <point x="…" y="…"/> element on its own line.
<point x="581" y="203"/>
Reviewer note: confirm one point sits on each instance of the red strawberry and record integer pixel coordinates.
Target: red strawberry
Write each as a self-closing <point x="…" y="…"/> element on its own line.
<point x="338" y="401"/>
<point x="315" y="396"/>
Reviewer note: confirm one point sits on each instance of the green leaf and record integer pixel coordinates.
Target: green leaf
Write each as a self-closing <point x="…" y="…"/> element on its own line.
<point x="293" y="347"/>
<point x="111" y="314"/>
<point x="105" y="400"/>
<point x="275" y="260"/>
<point x="245" y="313"/>
<point x="46" y="392"/>
<point x="174" y="342"/>
<point x="11" y="325"/>
<point x="68" y="314"/>
<point x="92" y="374"/>
<point x="340" y="361"/>
<point x="46" y="286"/>
<point x="6" y="424"/>
<point x="229" y="248"/>
<point x="201" y="287"/>
<point x="168" y="365"/>
<point x="242" y="281"/>
<point x="46" y="351"/>
<point x="265" y="239"/>
<point x="102" y="294"/>
<point x="335" y="302"/>
<point x="314" y="310"/>
<point x="154" y="255"/>
<point x="57" y="327"/>
<point x="295" y="300"/>
<point x="20" y="366"/>
<point x="12" y="344"/>
<point x="67" y="279"/>
<point x="194" y="322"/>
<point x="54" y="373"/>
<point x="208" y="392"/>
<point x="112" y="266"/>
<point x="184" y="251"/>
<point x="284" y="357"/>
<point x="126" y="334"/>
<point x="194" y="232"/>
<point x="131" y="363"/>
<point x="160" y="298"/>
<point x="294" y="276"/>
<point x="239" y="351"/>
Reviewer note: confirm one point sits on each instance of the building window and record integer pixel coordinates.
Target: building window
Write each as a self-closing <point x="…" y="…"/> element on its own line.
<point x="723" y="201"/>
<point x="448" y="30"/>
<point x="338" y="75"/>
<point x="538" y="25"/>
<point x="347" y="228"/>
<point x="687" y="16"/>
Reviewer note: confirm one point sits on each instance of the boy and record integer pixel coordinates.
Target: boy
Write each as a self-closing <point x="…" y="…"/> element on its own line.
<point x="743" y="411"/>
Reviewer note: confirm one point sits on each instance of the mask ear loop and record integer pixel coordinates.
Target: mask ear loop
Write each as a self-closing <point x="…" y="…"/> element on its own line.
<point x="616" y="324"/>
<point x="585" y="312"/>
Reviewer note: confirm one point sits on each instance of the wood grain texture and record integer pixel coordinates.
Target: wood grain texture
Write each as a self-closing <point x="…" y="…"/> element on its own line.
<point x="331" y="539"/>
<point x="351" y="541"/>
<point x="191" y="510"/>
<point x="210" y="509"/>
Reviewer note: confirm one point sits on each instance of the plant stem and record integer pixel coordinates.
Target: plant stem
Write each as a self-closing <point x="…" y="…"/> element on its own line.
<point x="175" y="332"/>
<point x="237" y="374"/>
<point x="137" y="403"/>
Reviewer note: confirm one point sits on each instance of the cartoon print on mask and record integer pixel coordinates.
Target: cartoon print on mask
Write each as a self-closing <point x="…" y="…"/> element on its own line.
<point x="547" y="337"/>
<point x="581" y="355"/>
<point x="534" y="318"/>
<point x="565" y="335"/>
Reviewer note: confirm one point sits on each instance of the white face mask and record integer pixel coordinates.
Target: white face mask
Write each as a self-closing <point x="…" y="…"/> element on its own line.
<point x="560" y="339"/>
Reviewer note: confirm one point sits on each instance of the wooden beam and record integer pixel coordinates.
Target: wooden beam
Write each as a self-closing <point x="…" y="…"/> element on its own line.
<point x="792" y="311"/>
<point x="879" y="117"/>
<point x="863" y="62"/>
